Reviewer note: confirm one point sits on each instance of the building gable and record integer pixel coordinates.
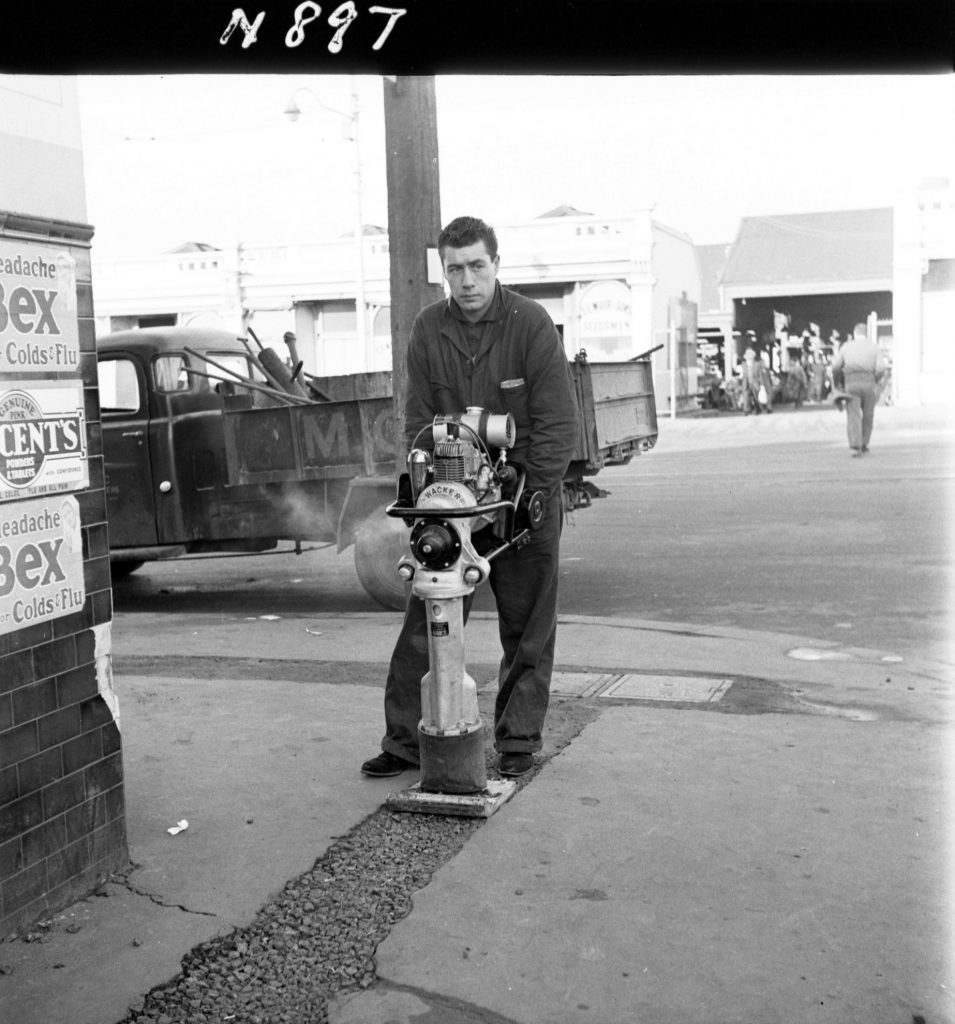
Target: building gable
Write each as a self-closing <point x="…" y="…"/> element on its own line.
<point x="839" y="246"/>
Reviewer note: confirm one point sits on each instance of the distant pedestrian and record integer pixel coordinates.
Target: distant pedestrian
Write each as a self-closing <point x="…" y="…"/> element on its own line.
<point x="862" y="367"/>
<point x="817" y="378"/>
<point x="798" y="382"/>
<point x="757" y="384"/>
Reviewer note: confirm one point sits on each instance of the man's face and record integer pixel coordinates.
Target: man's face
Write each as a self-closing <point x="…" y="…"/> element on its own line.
<point x="471" y="273"/>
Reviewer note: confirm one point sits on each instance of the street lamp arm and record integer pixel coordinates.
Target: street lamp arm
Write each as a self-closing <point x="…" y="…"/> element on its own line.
<point x="293" y="111"/>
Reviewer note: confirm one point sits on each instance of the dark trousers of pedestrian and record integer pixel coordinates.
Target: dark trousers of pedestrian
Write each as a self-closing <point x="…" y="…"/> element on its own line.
<point x="751" y="401"/>
<point x="860" y="412"/>
<point x="524" y="582"/>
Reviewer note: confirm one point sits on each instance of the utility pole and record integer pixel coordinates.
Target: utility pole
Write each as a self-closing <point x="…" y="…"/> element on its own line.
<point x="414" y="219"/>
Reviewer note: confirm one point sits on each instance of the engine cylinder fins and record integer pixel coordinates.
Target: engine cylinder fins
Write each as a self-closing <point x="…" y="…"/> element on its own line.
<point x="451" y="460"/>
<point x="449" y="470"/>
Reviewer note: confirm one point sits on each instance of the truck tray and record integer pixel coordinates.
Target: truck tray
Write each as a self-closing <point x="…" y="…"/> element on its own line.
<point x="322" y="441"/>
<point x="618" y="411"/>
<point x="354" y="435"/>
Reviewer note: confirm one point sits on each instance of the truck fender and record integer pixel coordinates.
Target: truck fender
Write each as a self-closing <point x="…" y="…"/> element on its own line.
<point x="379" y="540"/>
<point x="367" y="496"/>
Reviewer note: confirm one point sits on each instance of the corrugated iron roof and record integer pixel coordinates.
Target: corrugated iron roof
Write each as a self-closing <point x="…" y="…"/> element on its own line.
<point x="564" y="211"/>
<point x="842" y="245"/>
<point x="194" y="247"/>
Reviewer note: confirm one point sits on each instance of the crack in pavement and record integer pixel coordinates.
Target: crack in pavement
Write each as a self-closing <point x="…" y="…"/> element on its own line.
<point x="124" y="882"/>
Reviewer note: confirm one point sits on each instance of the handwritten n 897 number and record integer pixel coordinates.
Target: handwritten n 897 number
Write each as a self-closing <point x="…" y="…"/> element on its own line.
<point x="305" y="13"/>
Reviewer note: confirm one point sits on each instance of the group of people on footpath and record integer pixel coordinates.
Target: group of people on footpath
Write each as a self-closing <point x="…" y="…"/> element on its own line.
<point x="854" y="378"/>
<point x="812" y="376"/>
<point x="756" y="388"/>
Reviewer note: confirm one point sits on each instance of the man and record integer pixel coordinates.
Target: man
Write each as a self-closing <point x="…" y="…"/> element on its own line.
<point x="862" y="368"/>
<point x="756" y="376"/>
<point x="797" y="381"/>
<point x="488" y="346"/>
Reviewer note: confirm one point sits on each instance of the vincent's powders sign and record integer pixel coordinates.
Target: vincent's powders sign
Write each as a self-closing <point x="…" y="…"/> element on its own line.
<point x="41" y="562"/>
<point x="42" y="440"/>
<point x="38" y="321"/>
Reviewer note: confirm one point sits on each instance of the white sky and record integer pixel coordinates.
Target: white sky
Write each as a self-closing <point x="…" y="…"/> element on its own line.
<point x="211" y="158"/>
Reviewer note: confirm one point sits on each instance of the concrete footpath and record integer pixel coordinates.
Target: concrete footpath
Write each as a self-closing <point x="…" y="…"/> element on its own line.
<point x="754" y="828"/>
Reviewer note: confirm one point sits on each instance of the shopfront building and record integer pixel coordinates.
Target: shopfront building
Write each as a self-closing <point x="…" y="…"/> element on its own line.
<point x="62" y="807"/>
<point x="608" y="284"/>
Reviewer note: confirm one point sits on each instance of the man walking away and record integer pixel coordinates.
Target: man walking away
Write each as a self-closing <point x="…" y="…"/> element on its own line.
<point x="863" y="369"/>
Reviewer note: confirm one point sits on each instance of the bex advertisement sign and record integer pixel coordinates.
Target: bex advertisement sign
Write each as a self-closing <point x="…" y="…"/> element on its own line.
<point x="38" y="319"/>
<point x="41" y="562"/>
<point x="42" y="440"/>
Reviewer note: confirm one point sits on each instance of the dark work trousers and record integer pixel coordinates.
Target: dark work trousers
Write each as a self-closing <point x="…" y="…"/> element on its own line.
<point x="524" y="582"/>
<point x="860" y="411"/>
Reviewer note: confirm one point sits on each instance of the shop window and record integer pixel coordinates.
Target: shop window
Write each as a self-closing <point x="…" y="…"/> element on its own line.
<point x="338" y="318"/>
<point x="382" y="324"/>
<point x="940" y="276"/>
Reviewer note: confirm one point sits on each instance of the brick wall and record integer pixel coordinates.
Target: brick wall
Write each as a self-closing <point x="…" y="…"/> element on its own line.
<point x="62" y="813"/>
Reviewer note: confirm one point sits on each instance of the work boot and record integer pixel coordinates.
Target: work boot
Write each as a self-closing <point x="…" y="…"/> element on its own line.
<point x="385" y="765"/>
<point x="515" y="764"/>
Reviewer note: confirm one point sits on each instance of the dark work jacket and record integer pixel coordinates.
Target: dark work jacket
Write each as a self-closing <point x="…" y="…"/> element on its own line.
<point x="520" y="350"/>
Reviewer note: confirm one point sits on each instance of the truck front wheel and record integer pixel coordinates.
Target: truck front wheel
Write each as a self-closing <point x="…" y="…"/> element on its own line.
<point x="379" y="542"/>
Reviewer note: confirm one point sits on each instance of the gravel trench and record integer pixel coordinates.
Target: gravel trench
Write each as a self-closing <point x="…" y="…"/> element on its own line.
<point x="319" y="935"/>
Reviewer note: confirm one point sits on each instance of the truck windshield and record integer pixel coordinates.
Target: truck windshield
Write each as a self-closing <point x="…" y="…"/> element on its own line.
<point x="172" y="371"/>
<point x="238" y="363"/>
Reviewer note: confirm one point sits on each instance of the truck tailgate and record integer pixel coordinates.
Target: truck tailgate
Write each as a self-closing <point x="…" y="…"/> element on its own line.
<point x="618" y="411"/>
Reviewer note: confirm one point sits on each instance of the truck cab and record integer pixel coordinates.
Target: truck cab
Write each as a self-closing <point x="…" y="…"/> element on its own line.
<point x="170" y="409"/>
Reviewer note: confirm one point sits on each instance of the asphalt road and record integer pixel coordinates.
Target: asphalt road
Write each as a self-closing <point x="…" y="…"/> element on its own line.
<point x="796" y="538"/>
<point x="789" y="537"/>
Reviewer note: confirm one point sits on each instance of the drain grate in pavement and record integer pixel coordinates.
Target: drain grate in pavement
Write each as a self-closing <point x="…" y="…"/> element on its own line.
<point x="580" y="684"/>
<point x="679" y="689"/>
<point x="633" y="686"/>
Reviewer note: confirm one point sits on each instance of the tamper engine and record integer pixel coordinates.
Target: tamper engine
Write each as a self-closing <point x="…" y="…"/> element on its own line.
<point x="465" y="507"/>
